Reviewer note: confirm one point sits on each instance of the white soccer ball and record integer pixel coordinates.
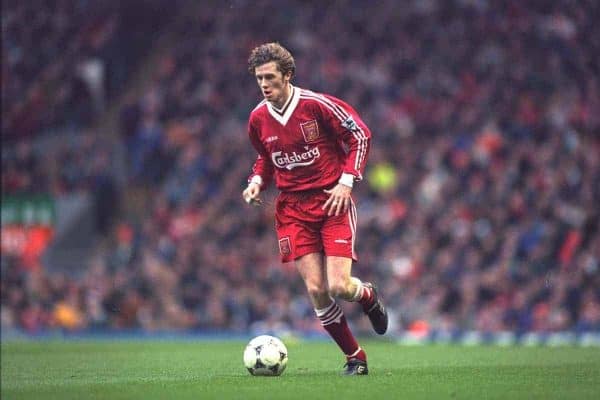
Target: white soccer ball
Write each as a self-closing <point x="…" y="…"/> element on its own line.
<point x="265" y="356"/>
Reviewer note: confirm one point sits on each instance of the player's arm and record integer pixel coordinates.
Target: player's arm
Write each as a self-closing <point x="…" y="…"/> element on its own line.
<point x="347" y="125"/>
<point x="356" y="135"/>
<point x="262" y="170"/>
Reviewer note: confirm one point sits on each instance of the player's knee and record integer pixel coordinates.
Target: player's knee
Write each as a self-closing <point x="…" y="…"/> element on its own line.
<point x="316" y="291"/>
<point x="339" y="289"/>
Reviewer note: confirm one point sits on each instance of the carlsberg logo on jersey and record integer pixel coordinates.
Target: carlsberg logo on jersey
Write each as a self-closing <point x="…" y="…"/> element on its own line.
<point x="291" y="161"/>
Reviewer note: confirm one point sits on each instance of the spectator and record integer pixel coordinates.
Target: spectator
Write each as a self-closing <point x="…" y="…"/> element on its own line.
<point x="480" y="209"/>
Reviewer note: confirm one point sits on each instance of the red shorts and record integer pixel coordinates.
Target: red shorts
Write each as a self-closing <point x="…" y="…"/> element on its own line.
<point x="304" y="228"/>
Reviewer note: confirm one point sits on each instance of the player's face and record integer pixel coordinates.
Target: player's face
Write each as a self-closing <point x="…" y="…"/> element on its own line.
<point x="273" y="84"/>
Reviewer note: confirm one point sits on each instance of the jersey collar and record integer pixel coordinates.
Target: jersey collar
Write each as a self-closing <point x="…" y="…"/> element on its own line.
<point x="283" y="115"/>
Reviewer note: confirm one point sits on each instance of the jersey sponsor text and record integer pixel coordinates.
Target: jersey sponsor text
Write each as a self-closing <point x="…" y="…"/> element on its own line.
<point x="293" y="160"/>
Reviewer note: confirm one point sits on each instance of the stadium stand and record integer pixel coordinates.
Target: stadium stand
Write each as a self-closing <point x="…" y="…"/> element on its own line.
<point x="480" y="207"/>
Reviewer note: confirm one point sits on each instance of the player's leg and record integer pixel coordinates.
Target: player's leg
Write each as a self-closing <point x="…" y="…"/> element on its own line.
<point x="330" y="314"/>
<point x="339" y="236"/>
<point x="343" y="285"/>
<point x="312" y="271"/>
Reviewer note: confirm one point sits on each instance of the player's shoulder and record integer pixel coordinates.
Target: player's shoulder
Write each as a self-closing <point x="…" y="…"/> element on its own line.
<point x="259" y="107"/>
<point x="258" y="111"/>
<point x="311" y="96"/>
<point x="325" y="101"/>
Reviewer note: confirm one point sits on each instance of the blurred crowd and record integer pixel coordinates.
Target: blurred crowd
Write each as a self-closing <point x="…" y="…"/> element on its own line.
<point x="479" y="210"/>
<point x="63" y="60"/>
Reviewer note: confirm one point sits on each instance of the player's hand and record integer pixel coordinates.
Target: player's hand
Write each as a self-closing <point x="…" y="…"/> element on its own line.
<point x="338" y="201"/>
<point x="250" y="194"/>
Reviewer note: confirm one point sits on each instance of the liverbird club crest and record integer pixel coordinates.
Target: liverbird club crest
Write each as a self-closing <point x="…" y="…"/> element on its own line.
<point x="284" y="246"/>
<point x="310" y="130"/>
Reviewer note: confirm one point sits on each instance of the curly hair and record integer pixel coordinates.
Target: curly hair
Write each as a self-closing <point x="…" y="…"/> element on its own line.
<point x="272" y="52"/>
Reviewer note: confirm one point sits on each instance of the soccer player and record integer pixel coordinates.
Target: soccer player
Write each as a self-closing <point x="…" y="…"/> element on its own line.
<point x="315" y="146"/>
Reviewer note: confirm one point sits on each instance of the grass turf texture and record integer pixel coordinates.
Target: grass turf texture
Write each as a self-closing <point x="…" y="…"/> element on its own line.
<point x="214" y="370"/>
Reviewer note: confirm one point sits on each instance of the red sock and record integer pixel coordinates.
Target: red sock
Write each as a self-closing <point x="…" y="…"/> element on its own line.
<point x="366" y="298"/>
<point x="333" y="320"/>
<point x="360" y="354"/>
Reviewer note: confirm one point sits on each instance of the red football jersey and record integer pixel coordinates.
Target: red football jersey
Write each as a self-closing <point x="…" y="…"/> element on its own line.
<point x="309" y="143"/>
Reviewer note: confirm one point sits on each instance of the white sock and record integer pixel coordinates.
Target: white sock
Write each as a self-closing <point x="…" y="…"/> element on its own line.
<point x="355" y="353"/>
<point x="359" y="289"/>
<point x="322" y="311"/>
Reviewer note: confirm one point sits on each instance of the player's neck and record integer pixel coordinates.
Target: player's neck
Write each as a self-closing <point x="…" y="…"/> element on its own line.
<point x="287" y="92"/>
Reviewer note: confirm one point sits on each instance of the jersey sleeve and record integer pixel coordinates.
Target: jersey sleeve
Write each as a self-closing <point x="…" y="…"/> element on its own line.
<point x="262" y="168"/>
<point x="347" y="125"/>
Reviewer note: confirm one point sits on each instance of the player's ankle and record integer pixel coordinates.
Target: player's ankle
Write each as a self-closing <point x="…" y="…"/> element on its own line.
<point x="359" y="353"/>
<point x="367" y="298"/>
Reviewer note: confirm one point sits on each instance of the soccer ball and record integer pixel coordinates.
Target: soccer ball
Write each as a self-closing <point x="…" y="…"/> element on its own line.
<point x="265" y="356"/>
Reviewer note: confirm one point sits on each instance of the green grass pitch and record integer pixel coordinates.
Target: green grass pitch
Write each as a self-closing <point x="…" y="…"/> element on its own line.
<point x="214" y="370"/>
